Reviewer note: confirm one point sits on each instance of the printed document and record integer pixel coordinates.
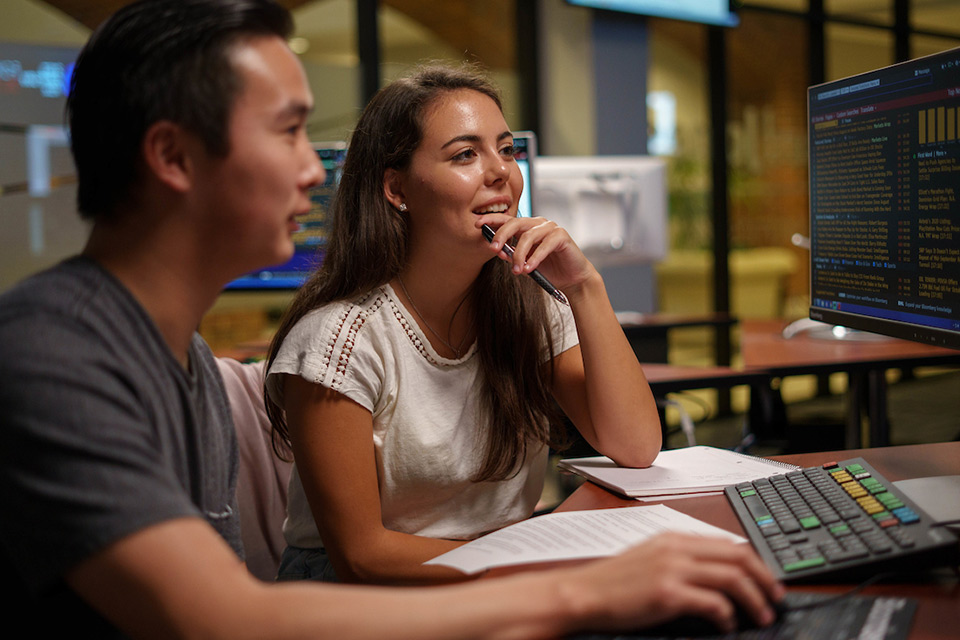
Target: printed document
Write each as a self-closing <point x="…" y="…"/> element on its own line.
<point x="572" y="535"/>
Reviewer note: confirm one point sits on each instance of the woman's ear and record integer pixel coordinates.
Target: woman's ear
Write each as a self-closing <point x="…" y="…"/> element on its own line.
<point x="166" y="154"/>
<point x="393" y="189"/>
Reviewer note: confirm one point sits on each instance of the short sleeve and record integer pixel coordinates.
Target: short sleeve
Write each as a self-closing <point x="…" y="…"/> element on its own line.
<point x="331" y="346"/>
<point x="80" y="460"/>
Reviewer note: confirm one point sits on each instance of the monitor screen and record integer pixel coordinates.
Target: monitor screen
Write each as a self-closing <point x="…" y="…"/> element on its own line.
<point x="309" y="241"/>
<point x="525" y="150"/>
<point x="716" y="12"/>
<point x="884" y="154"/>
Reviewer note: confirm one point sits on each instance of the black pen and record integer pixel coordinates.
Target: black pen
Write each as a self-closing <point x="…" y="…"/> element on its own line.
<point x="536" y="275"/>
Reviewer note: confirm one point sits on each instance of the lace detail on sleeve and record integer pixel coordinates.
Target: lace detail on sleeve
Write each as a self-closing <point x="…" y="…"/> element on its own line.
<point x="338" y="351"/>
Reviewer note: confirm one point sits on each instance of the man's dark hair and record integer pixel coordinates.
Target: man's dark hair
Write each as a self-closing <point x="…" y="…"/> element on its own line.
<point x="156" y="60"/>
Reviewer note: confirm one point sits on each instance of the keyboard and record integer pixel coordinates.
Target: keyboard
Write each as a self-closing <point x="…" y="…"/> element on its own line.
<point x="819" y="616"/>
<point x="839" y="521"/>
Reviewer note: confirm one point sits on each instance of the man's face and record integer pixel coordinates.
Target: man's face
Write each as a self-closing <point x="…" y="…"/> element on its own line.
<point x="250" y="199"/>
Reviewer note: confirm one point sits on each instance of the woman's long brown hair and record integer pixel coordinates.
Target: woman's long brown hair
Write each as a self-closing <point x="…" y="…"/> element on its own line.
<point x="367" y="247"/>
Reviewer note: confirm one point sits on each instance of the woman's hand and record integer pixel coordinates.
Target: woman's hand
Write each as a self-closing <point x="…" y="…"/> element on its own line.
<point x="543" y="245"/>
<point x="599" y="384"/>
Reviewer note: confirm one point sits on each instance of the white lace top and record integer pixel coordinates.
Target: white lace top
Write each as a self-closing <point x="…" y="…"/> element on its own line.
<point x="426" y="431"/>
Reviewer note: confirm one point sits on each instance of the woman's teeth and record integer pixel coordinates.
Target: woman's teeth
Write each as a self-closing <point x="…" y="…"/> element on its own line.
<point x="497" y="208"/>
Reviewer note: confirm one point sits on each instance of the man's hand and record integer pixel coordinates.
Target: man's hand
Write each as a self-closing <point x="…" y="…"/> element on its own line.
<point x="674" y="575"/>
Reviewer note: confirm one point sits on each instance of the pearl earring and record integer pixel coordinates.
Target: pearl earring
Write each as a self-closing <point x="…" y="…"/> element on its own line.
<point x="403" y="207"/>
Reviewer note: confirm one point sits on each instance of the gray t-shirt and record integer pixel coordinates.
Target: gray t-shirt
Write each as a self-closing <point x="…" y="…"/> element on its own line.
<point x="103" y="432"/>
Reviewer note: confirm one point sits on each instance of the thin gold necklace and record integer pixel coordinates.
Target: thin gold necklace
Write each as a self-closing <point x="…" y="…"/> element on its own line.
<point x="459" y="348"/>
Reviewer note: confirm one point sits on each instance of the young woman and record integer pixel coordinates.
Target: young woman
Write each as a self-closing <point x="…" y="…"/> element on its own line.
<point x="416" y="376"/>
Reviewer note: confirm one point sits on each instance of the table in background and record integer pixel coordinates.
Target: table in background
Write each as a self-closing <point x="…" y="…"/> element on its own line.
<point x="668" y="378"/>
<point x="648" y="332"/>
<point x="764" y="348"/>
<point x="938" y="610"/>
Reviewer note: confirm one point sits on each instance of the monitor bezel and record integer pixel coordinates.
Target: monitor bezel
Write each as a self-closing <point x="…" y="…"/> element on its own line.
<point x="893" y="328"/>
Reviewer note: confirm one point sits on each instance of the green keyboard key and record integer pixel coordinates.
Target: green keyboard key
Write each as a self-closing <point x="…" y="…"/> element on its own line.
<point x="811" y="522"/>
<point x="804" y="564"/>
<point x="890" y="501"/>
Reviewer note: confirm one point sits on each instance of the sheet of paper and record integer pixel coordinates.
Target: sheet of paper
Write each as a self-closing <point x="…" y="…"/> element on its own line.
<point x="572" y="535"/>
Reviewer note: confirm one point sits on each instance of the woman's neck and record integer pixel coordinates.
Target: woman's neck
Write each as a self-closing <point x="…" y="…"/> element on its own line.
<point x="443" y="307"/>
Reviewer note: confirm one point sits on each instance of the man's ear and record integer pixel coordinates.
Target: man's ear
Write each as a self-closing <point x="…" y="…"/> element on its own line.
<point x="166" y="153"/>
<point x="393" y="188"/>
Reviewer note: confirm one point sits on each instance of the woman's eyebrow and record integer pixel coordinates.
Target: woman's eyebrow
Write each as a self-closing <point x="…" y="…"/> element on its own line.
<point x="464" y="138"/>
<point x="474" y="138"/>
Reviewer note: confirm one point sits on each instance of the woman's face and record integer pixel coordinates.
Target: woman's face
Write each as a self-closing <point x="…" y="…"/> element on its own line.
<point x="463" y="166"/>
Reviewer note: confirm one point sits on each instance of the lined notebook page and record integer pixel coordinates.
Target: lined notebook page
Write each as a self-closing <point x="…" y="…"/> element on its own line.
<point x="688" y="470"/>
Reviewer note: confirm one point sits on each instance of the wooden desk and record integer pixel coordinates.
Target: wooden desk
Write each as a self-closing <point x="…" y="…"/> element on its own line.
<point x="763" y="347"/>
<point x="938" y="611"/>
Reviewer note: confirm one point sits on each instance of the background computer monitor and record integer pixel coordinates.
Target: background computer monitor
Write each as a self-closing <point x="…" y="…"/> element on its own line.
<point x="614" y="207"/>
<point x="717" y="12"/>
<point x="884" y="153"/>
<point x="525" y="153"/>
<point x="310" y="240"/>
<point x="39" y="225"/>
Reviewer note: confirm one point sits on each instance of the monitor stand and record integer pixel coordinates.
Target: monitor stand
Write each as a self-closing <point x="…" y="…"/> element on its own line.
<point x="824" y="331"/>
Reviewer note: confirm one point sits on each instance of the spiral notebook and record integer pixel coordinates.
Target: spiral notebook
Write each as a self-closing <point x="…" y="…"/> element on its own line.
<point x="695" y="469"/>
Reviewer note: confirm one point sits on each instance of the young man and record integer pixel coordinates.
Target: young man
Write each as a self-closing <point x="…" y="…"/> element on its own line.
<point x="117" y="454"/>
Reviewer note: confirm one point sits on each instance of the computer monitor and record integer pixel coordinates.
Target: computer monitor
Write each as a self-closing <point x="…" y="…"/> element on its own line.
<point x="614" y="207"/>
<point x="525" y="153"/>
<point x="716" y="12"/>
<point x="884" y="154"/>
<point x="310" y="240"/>
<point x="39" y="225"/>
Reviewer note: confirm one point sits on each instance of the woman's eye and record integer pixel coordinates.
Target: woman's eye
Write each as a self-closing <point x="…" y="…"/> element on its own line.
<point x="509" y="150"/>
<point x="466" y="154"/>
